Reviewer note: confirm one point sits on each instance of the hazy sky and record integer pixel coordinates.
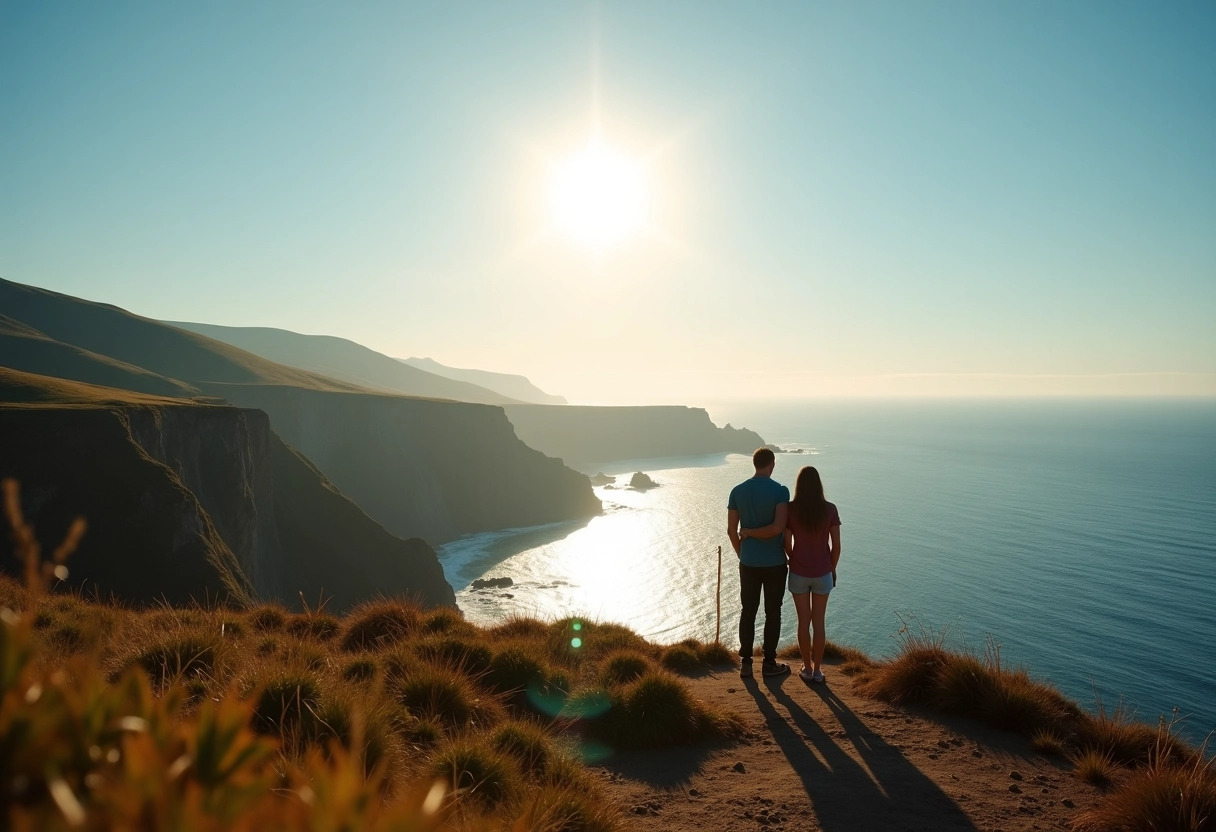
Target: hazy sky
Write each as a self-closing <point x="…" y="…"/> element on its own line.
<point x="910" y="198"/>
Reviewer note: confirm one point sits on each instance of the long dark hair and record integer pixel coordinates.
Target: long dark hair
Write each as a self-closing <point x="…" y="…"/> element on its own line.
<point x="809" y="506"/>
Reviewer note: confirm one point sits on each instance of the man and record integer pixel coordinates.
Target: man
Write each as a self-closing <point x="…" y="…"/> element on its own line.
<point x="760" y="505"/>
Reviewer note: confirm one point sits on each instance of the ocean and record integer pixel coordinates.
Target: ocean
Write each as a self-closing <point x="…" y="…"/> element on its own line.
<point x="1079" y="536"/>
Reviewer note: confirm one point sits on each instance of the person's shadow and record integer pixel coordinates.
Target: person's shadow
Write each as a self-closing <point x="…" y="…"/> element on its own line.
<point x="882" y="791"/>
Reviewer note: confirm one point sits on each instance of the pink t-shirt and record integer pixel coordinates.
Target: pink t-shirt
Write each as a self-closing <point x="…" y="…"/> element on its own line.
<point x="812" y="555"/>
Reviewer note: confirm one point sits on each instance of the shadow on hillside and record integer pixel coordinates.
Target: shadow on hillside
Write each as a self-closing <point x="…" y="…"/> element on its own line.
<point x="882" y="791"/>
<point x="662" y="767"/>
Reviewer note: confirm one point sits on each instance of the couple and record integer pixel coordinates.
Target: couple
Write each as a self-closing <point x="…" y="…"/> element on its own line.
<point x="767" y="530"/>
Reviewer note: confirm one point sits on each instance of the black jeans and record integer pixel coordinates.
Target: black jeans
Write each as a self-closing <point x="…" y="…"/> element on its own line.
<point x="752" y="581"/>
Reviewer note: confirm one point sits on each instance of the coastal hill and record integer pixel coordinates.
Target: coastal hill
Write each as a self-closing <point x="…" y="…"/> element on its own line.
<point x="585" y="435"/>
<point x="426" y="468"/>
<point x="513" y="386"/>
<point x="345" y="360"/>
<point x="116" y="335"/>
<point x="193" y="501"/>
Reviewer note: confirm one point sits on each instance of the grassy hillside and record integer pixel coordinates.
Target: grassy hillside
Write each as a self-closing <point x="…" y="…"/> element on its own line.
<point x="394" y="717"/>
<point x="342" y="359"/>
<point x="30" y="389"/>
<point x="24" y="348"/>
<point x="105" y="334"/>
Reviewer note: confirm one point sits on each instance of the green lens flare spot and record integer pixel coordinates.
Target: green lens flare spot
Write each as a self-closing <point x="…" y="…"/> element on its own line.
<point x="576" y="642"/>
<point x="577" y="625"/>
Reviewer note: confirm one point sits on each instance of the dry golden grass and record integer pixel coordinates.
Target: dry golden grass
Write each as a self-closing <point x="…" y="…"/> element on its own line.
<point x="1167" y="794"/>
<point x="389" y="717"/>
<point x="1155" y="780"/>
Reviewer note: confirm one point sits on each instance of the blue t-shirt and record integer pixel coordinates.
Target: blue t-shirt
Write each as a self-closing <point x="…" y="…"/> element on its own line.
<point x="756" y="500"/>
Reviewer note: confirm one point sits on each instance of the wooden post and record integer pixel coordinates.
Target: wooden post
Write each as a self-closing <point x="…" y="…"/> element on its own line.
<point x="718" y="625"/>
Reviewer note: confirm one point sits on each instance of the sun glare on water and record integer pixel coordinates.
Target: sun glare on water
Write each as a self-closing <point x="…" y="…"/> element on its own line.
<point x="598" y="197"/>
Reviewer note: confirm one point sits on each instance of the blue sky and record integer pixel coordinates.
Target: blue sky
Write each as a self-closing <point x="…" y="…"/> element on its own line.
<point x="902" y="198"/>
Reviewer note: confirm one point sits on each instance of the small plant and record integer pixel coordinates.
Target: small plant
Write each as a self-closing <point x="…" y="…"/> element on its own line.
<point x="443" y="620"/>
<point x="656" y="710"/>
<point x="359" y="670"/>
<point x="1094" y="767"/>
<point x="528" y="744"/>
<point x="286" y="705"/>
<point x="318" y="626"/>
<point x="267" y="618"/>
<point x="1047" y="742"/>
<point x="1168" y="793"/>
<point x="179" y="655"/>
<point x="465" y="655"/>
<point x="423" y="733"/>
<point x="449" y="698"/>
<point x="477" y="773"/>
<point x="514" y="669"/>
<point x="623" y="667"/>
<point x="379" y="624"/>
<point x="716" y="653"/>
<point x="681" y="658"/>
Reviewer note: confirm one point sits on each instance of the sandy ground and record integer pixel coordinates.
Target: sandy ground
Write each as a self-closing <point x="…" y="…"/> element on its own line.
<point x="823" y="757"/>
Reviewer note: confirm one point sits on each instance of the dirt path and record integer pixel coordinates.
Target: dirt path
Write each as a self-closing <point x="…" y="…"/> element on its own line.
<point x="824" y="758"/>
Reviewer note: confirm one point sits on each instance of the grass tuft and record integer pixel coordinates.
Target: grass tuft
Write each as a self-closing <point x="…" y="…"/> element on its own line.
<point x="624" y="666"/>
<point x="379" y="624"/>
<point x="1094" y="767"/>
<point x="477" y="773"/>
<point x="681" y="658"/>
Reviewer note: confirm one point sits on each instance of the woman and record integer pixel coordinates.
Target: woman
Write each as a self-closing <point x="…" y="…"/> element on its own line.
<point x="812" y="544"/>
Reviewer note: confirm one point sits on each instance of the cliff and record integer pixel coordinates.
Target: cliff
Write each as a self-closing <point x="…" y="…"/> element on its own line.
<point x="583" y="435"/>
<point x="420" y="467"/>
<point x="195" y="501"/>
<point x="423" y="468"/>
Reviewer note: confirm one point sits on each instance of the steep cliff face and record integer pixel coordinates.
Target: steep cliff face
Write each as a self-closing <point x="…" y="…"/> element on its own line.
<point x="149" y="537"/>
<point x="422" y="468"/>
<point x="186" y="501"/>
<point x="581" y="435"/>
<point x="222" y="455"/>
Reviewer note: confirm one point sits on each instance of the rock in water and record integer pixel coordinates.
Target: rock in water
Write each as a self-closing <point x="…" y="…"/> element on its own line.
<point x="492" y="583"/>
<point x="641" y="482"/>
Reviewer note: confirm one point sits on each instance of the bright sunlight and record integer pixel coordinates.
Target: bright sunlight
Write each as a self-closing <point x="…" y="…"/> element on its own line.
<point x="598" y="197"/>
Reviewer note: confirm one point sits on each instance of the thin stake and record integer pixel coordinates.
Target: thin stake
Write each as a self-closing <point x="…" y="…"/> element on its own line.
<point x="718" y="625"/>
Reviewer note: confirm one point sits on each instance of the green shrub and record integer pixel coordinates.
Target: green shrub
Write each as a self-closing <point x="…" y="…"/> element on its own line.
<point x="716" y="653"/>
<point x="318" y="627"/>
<point x="287" y="705"/>
<point x="656" y="710"/>
<point x="477" y="773"/>
<point x="378" y="624"/>
<point x="569" y="809"/>
<point x="623" y="666"/>
<point x="178" y="655"/>
<point x="443" y="620"/>
<point x="267" y="618"/>
<point x="447" y="697"/>
<point x="681" y="658"/>
<point x="527" y="744"/>
<point x="359" y="670"/>
<point x="460" y="655"/>
<point x="513" y="670"/>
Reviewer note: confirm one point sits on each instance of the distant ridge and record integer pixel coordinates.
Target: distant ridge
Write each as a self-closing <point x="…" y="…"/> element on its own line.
<point x="515" y="386"/>
<point x="346" y="360"/>
<point x="98" y="341"/>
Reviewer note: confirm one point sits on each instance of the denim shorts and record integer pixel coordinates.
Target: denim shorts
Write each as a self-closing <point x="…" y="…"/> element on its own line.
<point x="819" y="586"/>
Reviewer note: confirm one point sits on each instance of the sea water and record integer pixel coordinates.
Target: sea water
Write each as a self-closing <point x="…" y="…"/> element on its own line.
<point x="1079" y="537"/>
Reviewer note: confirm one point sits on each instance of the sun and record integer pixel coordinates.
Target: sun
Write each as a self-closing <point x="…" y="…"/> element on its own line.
<point x="598" y="197"/>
